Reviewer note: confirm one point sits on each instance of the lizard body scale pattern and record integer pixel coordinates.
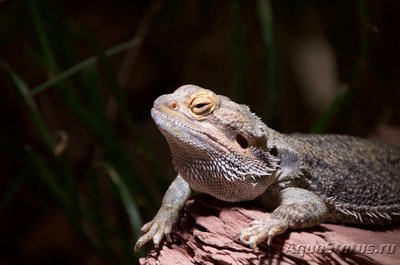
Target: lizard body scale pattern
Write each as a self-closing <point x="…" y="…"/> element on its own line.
<point x="221" y="148"/>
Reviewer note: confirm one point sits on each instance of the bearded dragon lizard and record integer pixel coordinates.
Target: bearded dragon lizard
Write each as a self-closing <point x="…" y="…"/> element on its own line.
<point x="222" y="149"/>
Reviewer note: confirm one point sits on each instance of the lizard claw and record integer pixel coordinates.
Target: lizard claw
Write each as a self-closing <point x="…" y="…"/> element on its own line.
<point x="260" y="230"/>
<point x="156" y="229"/>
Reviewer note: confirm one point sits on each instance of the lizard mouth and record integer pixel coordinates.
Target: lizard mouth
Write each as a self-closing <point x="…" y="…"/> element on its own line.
<point x="171" y="126"/>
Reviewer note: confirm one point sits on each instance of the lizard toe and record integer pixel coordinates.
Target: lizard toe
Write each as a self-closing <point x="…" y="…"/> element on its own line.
<point x="146" y="227"/>
<point x="163" y="229"/>
<point x="155" y="230"/>
<point x="148" y="232"/>
<point x="260" y="230"/>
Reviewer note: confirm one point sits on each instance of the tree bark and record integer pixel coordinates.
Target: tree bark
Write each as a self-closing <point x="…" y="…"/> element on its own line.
<point x="208" y="227"/>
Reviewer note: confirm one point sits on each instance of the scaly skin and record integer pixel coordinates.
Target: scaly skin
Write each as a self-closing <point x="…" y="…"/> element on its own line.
<point x="220" y="148"/>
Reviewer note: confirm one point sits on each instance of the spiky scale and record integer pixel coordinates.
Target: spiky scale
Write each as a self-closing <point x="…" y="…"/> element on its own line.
<point x="303" y="179"/>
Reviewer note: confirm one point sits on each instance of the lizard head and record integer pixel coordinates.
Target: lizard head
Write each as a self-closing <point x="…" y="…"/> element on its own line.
<point x="207" y="133"/>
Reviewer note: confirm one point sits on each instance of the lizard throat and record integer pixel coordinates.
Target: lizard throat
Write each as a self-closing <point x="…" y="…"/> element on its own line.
<point x="211" y="167"/>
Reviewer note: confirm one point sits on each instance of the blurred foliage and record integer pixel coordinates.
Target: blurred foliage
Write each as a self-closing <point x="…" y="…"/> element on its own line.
<point x="340" y="104"/>
<point x="79" y="88"/>
<point x="88" y="89"/>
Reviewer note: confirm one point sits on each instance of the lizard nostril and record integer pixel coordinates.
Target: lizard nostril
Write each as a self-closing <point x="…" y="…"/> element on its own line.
<point x="174" y="105"/>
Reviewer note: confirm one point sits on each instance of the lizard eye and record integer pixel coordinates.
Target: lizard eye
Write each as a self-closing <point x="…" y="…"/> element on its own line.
<point x="202" y="105"/>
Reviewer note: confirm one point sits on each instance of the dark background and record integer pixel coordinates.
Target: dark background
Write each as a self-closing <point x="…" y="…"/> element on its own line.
<point x="82" y="164"/>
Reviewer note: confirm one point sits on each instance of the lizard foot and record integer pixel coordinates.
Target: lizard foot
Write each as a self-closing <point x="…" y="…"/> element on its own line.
<point x="156" y="229"/>
<point x="260" y="230"/>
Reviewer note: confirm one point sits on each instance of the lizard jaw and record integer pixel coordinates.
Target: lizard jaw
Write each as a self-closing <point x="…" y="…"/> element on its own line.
<point x="174" y="129"/>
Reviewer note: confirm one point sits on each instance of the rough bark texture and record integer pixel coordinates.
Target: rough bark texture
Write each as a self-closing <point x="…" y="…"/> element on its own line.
<point x="208" y="227"/>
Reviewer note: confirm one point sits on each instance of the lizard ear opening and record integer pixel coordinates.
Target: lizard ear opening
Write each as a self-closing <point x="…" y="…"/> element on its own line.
<point x="274" y="151"/>
<point x="242" y="141"/>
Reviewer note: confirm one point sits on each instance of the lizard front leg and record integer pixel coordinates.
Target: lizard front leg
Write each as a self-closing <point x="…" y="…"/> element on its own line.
<point x="174" y="200"/>
<point x="297" y="208"/>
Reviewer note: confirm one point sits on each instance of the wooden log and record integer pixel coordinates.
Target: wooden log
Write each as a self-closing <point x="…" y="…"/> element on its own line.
<point x="208" y="227"/>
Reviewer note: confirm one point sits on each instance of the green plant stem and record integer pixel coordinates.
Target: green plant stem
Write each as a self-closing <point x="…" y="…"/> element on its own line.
<point x="84" y="64"/>
<point x="129" y="204"/>
<point x="340" y="104"/>
<point x="267" y="32"/>
<point x="15" y="185"/>
<point x="238" y="53"/>
<point x="47" y="53"/>
<point x="22" y="89"/>
<point x="320" y="125"/>
<point x="131" y="208"/>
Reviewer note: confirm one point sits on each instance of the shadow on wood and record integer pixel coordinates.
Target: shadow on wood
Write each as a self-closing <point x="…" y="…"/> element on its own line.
<point x="208" y="227"/>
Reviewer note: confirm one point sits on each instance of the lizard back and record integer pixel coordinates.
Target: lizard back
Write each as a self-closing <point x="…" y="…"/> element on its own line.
<point x="358" y="177"/>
